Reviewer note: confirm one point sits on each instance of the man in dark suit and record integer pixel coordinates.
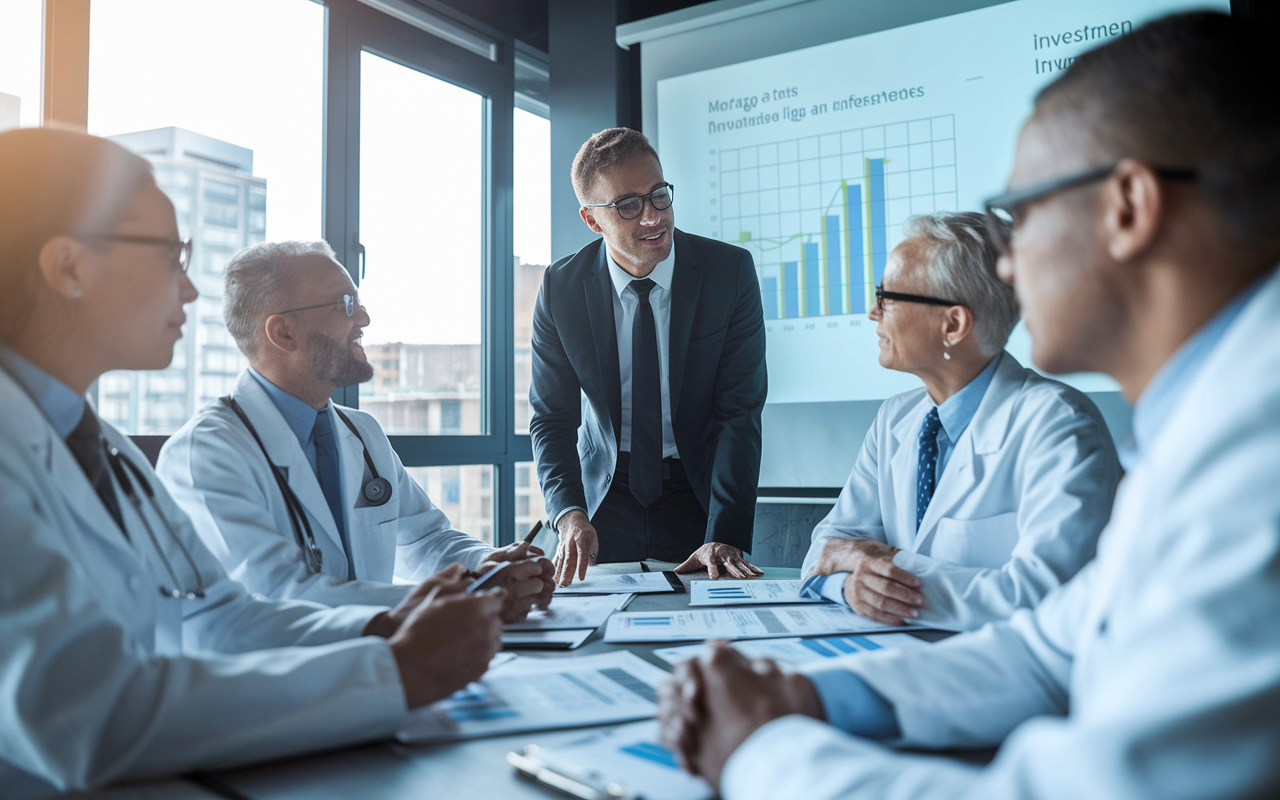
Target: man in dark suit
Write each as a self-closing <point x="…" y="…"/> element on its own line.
<point x="663" y="333"/>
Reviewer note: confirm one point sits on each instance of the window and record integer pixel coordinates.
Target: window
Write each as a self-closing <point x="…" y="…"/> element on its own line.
<point x="529" y="504"/>
<point x="230" y="115"/>
<point x="421" y="224"/>
<point x="463" y="493"/>
<point x="21" y="62"/>
<point x="532" y="229"/>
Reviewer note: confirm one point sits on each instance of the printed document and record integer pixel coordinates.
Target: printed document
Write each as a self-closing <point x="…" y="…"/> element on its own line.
<point x="795" y="651"/>
<point x="626" y="582"/>
<point x="529" y="694"/>
<point x="746" y="592"/>
<point x="587" y="611"/>
<point x="765" y="622"/>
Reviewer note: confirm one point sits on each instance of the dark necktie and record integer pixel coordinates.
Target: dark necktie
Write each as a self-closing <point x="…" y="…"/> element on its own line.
<point x="86" y="445"/>
<point x="327" y="472"/>
<point x="645" y="477"/>
<point x="926" y="479"/>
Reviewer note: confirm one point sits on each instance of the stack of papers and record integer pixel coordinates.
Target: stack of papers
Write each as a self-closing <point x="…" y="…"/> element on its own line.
<point x="573" y="612"/>
<point x="621" y="762"/>
<point x="528" y="694"/>
<point x="626" y="583"/>
<point x="546" y="640"/>
<point x="794" y="652"/>
<point x="741" y="623"/>
<point x="746" y="592"/>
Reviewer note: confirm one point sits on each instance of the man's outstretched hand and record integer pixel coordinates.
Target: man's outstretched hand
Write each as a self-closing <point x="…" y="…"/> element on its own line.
<point x="720" y="561"/>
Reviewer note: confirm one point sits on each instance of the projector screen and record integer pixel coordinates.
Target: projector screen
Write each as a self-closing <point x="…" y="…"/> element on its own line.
<point x="813" y="158"/>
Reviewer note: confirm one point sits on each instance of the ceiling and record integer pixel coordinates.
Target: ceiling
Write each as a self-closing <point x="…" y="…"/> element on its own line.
<point x="526" y="20"/>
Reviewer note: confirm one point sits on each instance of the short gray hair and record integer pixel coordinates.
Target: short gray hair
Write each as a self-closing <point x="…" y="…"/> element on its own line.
<point x="255" y="288"/>
<point x="962" y="267"/>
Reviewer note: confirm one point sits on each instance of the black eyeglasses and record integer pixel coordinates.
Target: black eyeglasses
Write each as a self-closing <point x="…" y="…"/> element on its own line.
<point x="632" y="207"/>
<point x="348" y="303"/>
<point x="882" y="295"/>
<point x="1003" y="210"/>
<point x="179" y="249"/>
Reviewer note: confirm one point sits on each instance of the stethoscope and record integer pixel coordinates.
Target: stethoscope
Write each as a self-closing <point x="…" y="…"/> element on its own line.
<point x="376" y="490"/>
<point x="118" y="462"/>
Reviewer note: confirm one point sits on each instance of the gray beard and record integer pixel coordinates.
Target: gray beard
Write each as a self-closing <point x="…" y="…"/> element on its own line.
<point x="332" y="361"/>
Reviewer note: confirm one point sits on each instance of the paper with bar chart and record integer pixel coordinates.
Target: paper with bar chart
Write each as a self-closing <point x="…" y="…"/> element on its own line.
<point x="796" y="651"/>
<point x="740" y="623"/>
<point x="753" y="591"/>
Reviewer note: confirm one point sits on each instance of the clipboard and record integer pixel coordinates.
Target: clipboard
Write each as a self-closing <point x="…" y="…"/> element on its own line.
<point x="627" y="763"/>
<point x="583" y="783"/>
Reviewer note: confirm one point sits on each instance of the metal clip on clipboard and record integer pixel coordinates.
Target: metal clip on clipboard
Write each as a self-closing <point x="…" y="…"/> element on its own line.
<point x="582" y="782"/>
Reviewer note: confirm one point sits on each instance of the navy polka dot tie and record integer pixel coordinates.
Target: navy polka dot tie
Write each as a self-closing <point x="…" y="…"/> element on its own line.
<point x="926" y="477"/>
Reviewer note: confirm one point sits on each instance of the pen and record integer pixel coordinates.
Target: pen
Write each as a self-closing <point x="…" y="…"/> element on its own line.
<point x="533" y="532"/>
<point x="479" y="583"/>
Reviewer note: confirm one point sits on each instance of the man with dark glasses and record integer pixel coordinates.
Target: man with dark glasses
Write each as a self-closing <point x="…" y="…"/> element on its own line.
<point x="1155" y="671"/>
<point x="662" y="332"/>
<point x="981" y="492"/>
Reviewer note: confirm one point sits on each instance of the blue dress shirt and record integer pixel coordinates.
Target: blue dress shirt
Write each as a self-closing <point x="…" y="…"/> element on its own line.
<point x="298" y="415"/>
<point x="58" y="401"/>
<point x="955" y="413"/>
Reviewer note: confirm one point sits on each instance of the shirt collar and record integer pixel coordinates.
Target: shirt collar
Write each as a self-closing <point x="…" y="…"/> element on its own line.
<point x="59" y="402"/>
<point x="956" y="412"/>
<point x="300" y="417"/>
<point x="1160" y="398"/>
<point x="661" y="274"/>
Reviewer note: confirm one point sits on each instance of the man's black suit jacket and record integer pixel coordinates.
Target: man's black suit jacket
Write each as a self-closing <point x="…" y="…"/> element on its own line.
<point x="717" y="381"/>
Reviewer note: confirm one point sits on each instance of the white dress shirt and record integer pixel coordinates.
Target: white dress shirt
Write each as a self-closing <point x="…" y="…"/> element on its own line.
<point x="625" y="303"/>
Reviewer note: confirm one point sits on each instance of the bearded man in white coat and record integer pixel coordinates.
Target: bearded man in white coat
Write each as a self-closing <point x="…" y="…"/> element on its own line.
<point x="301" y="498"/>
<point x="1144" y="200"/>
<point x="986" y="489"/>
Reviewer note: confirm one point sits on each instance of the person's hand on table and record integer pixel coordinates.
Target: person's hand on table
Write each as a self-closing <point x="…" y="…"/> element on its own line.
<point x="576" y="549"/>
<point x="711" y="704"/>
<point x="446" y="642"/>
<point x="714" y="556"/>
<point x="875" y="588"/>
<point x="528" y="581"/>
<point x="451" y="580"/>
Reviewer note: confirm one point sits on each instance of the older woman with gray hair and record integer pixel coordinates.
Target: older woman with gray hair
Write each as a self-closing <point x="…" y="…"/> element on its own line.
<point x="985" y="489"/>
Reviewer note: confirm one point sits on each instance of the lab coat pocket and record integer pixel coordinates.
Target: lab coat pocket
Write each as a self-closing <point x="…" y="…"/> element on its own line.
<point x="986" y="543"/>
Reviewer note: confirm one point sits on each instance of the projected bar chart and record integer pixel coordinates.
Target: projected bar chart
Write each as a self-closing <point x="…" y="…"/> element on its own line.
<point x="821" y="214"/>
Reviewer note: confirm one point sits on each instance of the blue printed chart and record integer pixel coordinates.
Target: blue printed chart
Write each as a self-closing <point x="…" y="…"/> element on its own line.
<point x="820" y="214"/>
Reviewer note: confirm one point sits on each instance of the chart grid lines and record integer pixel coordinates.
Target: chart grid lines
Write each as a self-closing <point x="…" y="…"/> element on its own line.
<point x="821" y="214"/>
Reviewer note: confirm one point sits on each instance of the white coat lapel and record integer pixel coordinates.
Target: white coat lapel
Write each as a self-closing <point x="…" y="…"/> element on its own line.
<point x="37" y="437"/>
<point x="984" y="437"/>
<point x="283" y="448"/>
<point x="353" y="479"/>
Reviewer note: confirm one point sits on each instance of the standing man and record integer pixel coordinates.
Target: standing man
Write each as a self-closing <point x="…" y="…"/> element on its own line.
<point x="648" y="379"/>
<point x="299" y="498"/>
<point x="1145" y="194"/>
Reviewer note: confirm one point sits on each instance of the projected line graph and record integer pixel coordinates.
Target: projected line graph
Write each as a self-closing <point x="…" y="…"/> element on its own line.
<point x="821" y="214"/>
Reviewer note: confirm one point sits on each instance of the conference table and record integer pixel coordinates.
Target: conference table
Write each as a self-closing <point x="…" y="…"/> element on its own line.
<point x="392" y="771"/>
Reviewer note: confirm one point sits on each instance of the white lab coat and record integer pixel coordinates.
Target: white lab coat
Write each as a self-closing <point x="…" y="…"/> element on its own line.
<point x="1016" y="512"/>
<point x="103" y="679"/>
<point x="217" y="473"/>
<point x="1154" y="673"/>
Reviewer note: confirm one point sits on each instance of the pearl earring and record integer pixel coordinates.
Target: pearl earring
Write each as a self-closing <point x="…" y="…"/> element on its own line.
<point x="946" y="353"/>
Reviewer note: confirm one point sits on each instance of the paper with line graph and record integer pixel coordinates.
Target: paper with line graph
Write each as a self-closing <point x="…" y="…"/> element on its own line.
<point x="764" y="622"/>
<point x="747" y="592"/>
<point x="533" y="694"/>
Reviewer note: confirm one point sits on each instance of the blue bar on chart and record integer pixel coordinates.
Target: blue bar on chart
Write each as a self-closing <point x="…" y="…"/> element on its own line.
<point x="769" y="296"/>
<point x="879" y="231"/>
<point x="790" y="290"/>
<point x="812" y="281"/>
<point x="854" y="247"/>
<point x="835" y="276"/>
